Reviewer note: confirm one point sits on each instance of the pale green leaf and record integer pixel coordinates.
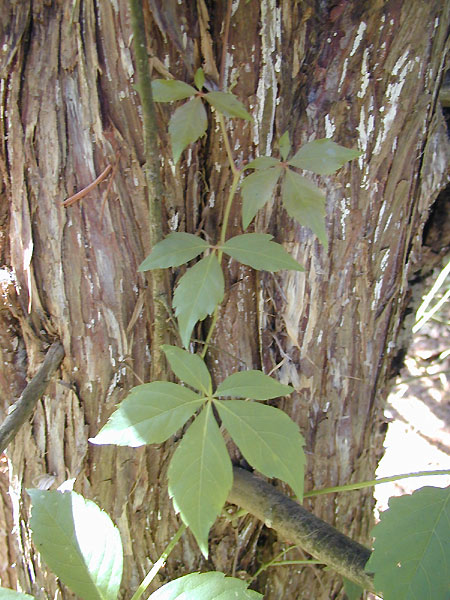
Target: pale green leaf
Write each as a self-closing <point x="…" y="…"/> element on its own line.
<point x="268" y="438"/>
<point x="7" y="594"/>
<point x="411" y="556"/>
<point x="227" y="104"/>
<point x="197" y="294"/>
<point x="353" y="591"/>
<point x="257" y="189"/>
<point x="263" y="162"/>
<point x="168" y="90"/>
<point x="205" y="586"/>
<point x="186" y="125"/>
<point x="200" y="476"/>
<point x="305" y="203"/>
<point x="252" y="384"/>
<point x="199" y="78"/>
<point x="150" y="414"/>
<point x="257" y="251"/>
<point x="285" y="145"/>
<point x="188" y="367"/>
<point x="79" y="543"/>
<point x="323" y="156"/>
<point x="175" y="250"/>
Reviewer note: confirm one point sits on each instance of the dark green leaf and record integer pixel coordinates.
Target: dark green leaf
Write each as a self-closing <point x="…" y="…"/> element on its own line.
<point x="7" y="594"/>
<point x="305" y="203"/>
<point x="411" y="556"/>
<point x="200" y="476"/>
<point x="190" y="368"/>
<point x="285" y="145"/>
<point x="150" y="414"/>
<point x="257" y="189"/>
<point x="186" y="125"/>
<point x="205" y="586"/>
<point x="197" y="294"/>
<point x="257" y="251"/>
<point x="252" y="384"/>
<point x="167" y="90"/>
<point x="263" y="162"/>
<point x="323" y="156"/>
<point x="199" y="78"/>
<point x="176" y="249"/>
<point x="268" y="438"/>
<point x="227" y="104"/>
<point x="78" y="542"/>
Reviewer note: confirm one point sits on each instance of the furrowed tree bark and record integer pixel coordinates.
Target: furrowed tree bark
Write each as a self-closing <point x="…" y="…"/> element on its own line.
<point x="365" y="73"/>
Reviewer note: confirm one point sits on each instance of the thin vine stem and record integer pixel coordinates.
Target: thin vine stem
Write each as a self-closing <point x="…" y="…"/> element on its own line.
<point x="226" y="217"/>
<point x="365" y="484"/>
<point x="158" y="564"/>
<point x="154" y="184"/>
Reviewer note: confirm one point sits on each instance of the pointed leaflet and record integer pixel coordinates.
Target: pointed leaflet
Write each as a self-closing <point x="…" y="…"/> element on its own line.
<point x="323" y="156"/>
<point x="197" y="294"/>
<point x="150" y="414"/>
<point x="188" y="367"/>
<point x="186" y="125"/>
<point x="200" y="476"/>
<point x="167" y="90"/>
<point x="199" y="78"/>
<point x="285" y="145"/>
<point x="305" y="203"/>
<point x="7" y="594"/>
<point x="411" y="556"/>
<point x="205" y="586"/>
<point x="257" y="189"/>
<point x="263" y="162"/>
<point x="252" y="384"/>
<point x="228" y="105"/>
<point x="268" y="438"/>
<point x="79" y="543"/>
<point x="257" y="251"/>
<point x="176" y="249"/>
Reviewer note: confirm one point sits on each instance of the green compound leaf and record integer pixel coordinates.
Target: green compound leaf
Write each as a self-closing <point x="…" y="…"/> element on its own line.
<point x="305" y="203"/>
<point x="168" y="90"/>
<point x="285" y="145"/>
<point x="186" y="125"/>
<point x="7" y="594"/>
<point x="200" y="476"/>
<point x="268" y="438"/>
<point x="175" y="250"/>
<point x="197" y="294"/>
<point x="252" y="384"/>
<point x="257" y="251"/>
<point x="205" y="586"/>
<point x="79" y="543"/>
<point x="257" y="189"/>
<point x="150" y="414"/>
<point x="227" y="104"/>
<point x="199" y="78"/>
<point x="411" y="556"/>
<point x="263" y="162"/>
<point x="323" y="156"/>
<point x="188" y="367"/>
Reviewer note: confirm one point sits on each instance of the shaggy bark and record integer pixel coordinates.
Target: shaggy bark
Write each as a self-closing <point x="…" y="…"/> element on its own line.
<point x="365" y="73"/>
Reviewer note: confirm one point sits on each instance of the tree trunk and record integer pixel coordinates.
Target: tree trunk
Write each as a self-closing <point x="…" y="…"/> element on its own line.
<point x="366" y="74"/>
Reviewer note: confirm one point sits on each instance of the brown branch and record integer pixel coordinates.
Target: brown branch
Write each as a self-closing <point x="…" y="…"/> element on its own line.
<point x="22" y="409"/>
<point x="154" y="184"/>
<point x="85" y="191"/>
<point x="297" y="525"/>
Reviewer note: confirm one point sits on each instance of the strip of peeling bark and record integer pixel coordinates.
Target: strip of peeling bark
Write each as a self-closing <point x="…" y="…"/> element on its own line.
<point x="296" y="525"/>
<point x="154" y="184"/>
<point x="24" y="406"/>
